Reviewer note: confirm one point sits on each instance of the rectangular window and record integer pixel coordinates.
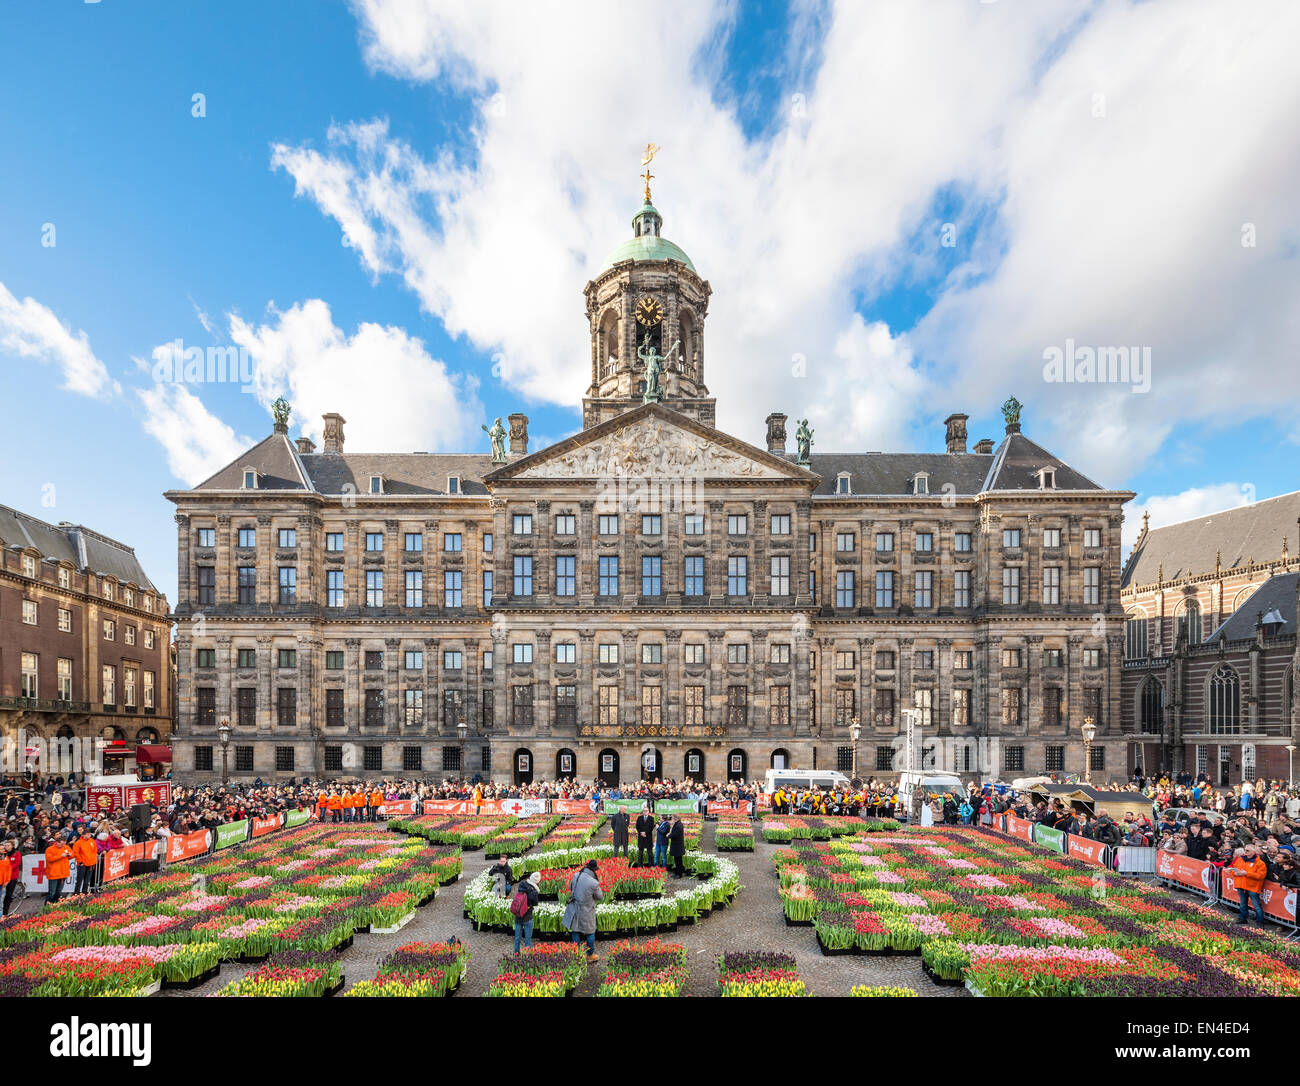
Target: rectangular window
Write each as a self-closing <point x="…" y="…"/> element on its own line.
<point x="205" y="657"/>
<point x="203" y="759"/>
<point x="779" y="584"/>
<point x="566" y="652"/>
<point x="607" y="653"/>
<point x="372" y="758"/>
<point x="1052" y="706"/>
<point x="1055" y="759"/>
<point x="334" y="594"/>
<point x="523" y="575"/>
<point x="884" y="541"/>
<point x="1051" y="537"/>
<point x="883" y="710"/>
<point x="651" y="524"/>
<point x="246" y="658"/>
<point x="884" y="660"/>
<point x="1053" y="658"/>
<point x="924" y="542"/>
<point x="694" y="706"/>
<point x="1098" y="758"/>
<point x="738" y="654"/>
<point x="607" y="706"/>
<point x="412" y="706"/>
<point x="847" y="661"/>
<point x="288" y="585"/>
<point x="1051" y="584"/>
<point x="607" y="524"/>
<point x="247" y="584"/>
<point x="961" y="588"/>
<point x="286" y="706"/>
<point x="452" y="708"/>
<point x="651" y="706"/>
<point x="737" y="524"/>
<point x="243" y="759"/>
<point x="780" y="524"/>
<point x="65" y="679"/>
<point x="1092" y="657"/>
<point x="1092" y="703"/>
<point x="65" y="620"/>
<point x="960" y="707"/>
<point x="608" y="569"/>
<point x="845" y="541"/>
<point x="522" y="652"/>
<point x="487" y="542"/>
<point x="333" y="542"/>
<point x="451" y="591"/>
<point x="374" y="541"/>
<point x="694" y="524"/>
<point x="884" y="588"/>
<point x="652" y="575"/>
<point x="148" y="639"/>
<point x="334" y="758"/>
<point x="207" y="585"/>
<point x="1013" y="758"/>
<point x="1011" y="707"/>
<point x="846" y="705"/>
<point x="288" y="538"/>
<point x="1091" y="585"/>
<point x="521" y="706"/>
<point x="452" y="660"/>
<point x="374" y="588"/>
<point x="737" y="706"/>
<point x="566" y="524"/>
<point x="374" y="705"/>
<point x="30" y="678"/>
<point x="1092" y="537"/>
<point x="652" y="653"/>
<point x="962" y="659"/>
<point x="693" y="653"/>
<point x="923" y="588"/>
<point x="694" y="575"/>
<point x="413" y="542"/>
<point x="778" y="707"/>
<point x="845" y="589"/>
<point x="246" y="706"/>
<point x="1010" y="585"/>
<point x="1011" y="538"/>
<point x="779" y="653"/>
<point x="413" y="759"/>
<point x="374" y="660"/>
<point x="334" y="660"/>
<point x="451" y="542"/>
<point x="885" y="758"/>
<point x="487" y="666"/>
<point x="566" y="580"/>
<point x="284" y="759"/>
<point x="29" y="614"/>
<point x="207" y="537"/>
<point x="924" y="659"/>
<point x="287" y="658"/>
<point x="205" y="703"/>
<point x="487" y="589"/>
<point x="737" y="575"/>
<point x="1010" y="657"/>
<point x="961" y="542"/>
<point x="566" y="705"/>
<point x="414" y="588"/>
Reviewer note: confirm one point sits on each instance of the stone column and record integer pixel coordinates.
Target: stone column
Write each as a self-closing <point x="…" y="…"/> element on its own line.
<point x="393" y="703"/>
<point x="542" y="698"/>
<point x="268" y="584"/>
<point x="265" y="715"/>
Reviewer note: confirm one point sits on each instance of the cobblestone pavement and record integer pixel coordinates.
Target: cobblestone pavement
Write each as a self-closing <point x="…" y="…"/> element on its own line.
<point x="753" y="921"/>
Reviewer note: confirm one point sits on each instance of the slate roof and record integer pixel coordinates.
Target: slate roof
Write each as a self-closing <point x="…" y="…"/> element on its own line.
<point x="75" y="543"/>
<point x="1278" y="593"/>
<point x="1240" y="534"/>
<point x="404" y="473"/>
<point x="275" y="459"/>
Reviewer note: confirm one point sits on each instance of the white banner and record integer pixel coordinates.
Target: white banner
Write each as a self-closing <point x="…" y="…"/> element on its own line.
<point x="521" y="807"/>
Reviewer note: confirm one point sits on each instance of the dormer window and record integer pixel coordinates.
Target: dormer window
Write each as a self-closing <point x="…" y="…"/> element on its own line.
<point x="376" y="484"/>
<point x="250" y="479"/>
<point x="29" y="566"/>
<point x="842" y="483"/>
<point x="453" y="484"/>
<point x="1046" y="478"/>
<point x="921" y="483"/>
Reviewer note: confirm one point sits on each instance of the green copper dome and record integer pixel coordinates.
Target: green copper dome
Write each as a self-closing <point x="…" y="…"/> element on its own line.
<point x="646" y="243"/>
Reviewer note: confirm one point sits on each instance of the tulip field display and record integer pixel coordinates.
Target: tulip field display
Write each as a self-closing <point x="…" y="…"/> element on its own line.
<point x="550" y="969"/>
<point x="468" y="832"/>
<point x="288" y="904"/>
<point x="1007" y="919"/>
<point x="520" y="837"/>
<point x="571" y="833"/>
<point x="644" y="970"/>
<point x="759" y="973"/>
<point x="733" y="833"/>
<point x="415" y="970"/>
<point x="784" y="828"/>
<point x="637" y="900"/>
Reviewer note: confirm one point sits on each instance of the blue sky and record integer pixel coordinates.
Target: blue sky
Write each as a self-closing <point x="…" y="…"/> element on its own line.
<point x="812" y="154"/>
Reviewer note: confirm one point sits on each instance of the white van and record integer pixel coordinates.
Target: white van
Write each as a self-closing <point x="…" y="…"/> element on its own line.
<point x="800" y="780"/>
<point x="928" y="781"/>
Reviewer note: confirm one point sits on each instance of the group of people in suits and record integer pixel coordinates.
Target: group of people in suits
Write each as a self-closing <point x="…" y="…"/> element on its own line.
<point x="658" y="840"/>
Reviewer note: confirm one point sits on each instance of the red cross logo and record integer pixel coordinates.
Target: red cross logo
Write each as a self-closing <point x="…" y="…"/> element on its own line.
<point x="38" y="869"/>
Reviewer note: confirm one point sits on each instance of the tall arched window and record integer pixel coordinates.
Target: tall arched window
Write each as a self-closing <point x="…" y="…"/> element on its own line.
<point x="1151" y="707"/>
<point x="1189" y="623"/>
<point x="1225" y="702"/>
<point x="1135" y="636"/>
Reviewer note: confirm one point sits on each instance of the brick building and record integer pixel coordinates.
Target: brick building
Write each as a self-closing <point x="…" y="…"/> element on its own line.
<point x="1210" y="651"/>
<point x="650" y="594"/>
<point x="85" y="652"/>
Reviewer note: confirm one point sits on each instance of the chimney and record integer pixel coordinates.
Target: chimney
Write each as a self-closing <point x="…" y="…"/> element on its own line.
<point x="306" y="445"/>
<point x="984" y="446"/>
<point x="519" y="434"/>
<point x="956" y="432"/>
<point x="332" y="438"/>
<point x="776" y="433"/>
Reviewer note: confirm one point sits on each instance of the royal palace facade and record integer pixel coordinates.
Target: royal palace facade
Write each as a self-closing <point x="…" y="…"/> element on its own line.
<point x="648" y="595"/>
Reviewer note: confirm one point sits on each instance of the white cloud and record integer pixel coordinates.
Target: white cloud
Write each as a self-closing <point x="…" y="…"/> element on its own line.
<point x="1197" y="501"/>
<point x="1121" y="229"/>
<point x="197" y="443"/>
<point x="395" y="396"/>
<point x="32" y="331"/>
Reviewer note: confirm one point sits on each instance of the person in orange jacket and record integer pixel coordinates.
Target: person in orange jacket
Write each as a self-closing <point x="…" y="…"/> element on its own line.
<point x="376" y="801"/>
<point x="11" y="857"/>
<point x="1249" y="873"/>
<point x="87" y="857"/>
<point x="57" y="869"/>
<point x="335" y="804"/>
<point x="355" y="802"/>
<point x="322" y="805"/>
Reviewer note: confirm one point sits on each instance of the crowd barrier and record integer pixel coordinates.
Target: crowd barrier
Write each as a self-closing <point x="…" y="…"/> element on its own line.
<point x="1218" y="885"/>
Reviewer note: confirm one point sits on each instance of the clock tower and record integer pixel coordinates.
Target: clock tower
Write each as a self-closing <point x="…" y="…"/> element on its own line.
<point x="646" y="309"/>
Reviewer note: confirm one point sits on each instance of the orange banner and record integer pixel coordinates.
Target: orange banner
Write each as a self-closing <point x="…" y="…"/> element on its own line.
<point x="1195" y="874"/>
<point x="117" y="861"/>
<point x="1094" y="852"/>
<point x="571" y="806"/>
<point x="1279" y="901"/>
<point x="185" y="846"/>
<point x="266" y="825"/>
<point x="393" y="808"/>
<point x="1019" y="827"/>
<point x="743" y="808"/>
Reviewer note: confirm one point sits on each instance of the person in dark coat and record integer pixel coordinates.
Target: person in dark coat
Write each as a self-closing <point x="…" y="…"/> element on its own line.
<point x="618" y="823"/>
<point x="662" y="831"/>
<point x="645" y="835"/>
<point x="677" y="846"/>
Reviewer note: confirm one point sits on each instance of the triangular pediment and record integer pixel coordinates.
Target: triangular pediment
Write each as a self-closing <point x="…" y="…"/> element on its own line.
<point x="652" y="441"/>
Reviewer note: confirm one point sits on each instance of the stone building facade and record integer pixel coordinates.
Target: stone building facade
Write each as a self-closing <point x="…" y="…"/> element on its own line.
<point x="1211" y="658"/>
<point x="649" y="595"/>
<point x="85" y="651"/>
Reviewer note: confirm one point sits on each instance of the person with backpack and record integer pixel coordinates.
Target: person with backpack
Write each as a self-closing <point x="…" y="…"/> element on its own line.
<point x="521" y="908"/>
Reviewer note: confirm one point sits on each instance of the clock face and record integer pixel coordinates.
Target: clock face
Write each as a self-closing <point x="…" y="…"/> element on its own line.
<point x="649" y="312"/>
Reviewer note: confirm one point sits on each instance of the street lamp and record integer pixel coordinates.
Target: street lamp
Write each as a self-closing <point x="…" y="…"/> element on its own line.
<point x="855" y="733"/>
<point x="1290" y="764"/>
<point x="223" y="734"/>
<point x="1089" y="734"/>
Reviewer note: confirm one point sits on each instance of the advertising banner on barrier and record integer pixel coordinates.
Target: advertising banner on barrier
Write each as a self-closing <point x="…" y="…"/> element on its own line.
<point x="1195" y="874"/>
<point x="117" y="861"/>
<point x="1279" y="901"/>
<point x="744" y="807"/>
<point x="461" y="806"/>
<point x="34" y="873"/>
<point x="675" y="806"/>
<point x="1081" y="848"/>
<point x="1018" y="827"/>
<point x="398" y="808"/>
<point x="185" y="846"/>
<point x="632" y="806"/>
<point x="296" y="818"/>
<point x="522" y="807"/>
<point x="570" y="806"/>
<point x="232" y="833"/>
<point x="265" y="825"/>
<point x="1049" y="838"/>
